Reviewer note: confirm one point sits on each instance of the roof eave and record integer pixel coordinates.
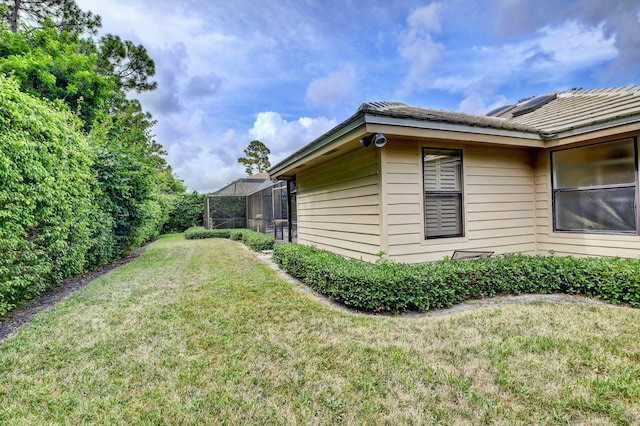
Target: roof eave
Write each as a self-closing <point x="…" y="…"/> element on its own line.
<point x="591" y="127"/>
<point x="364" y="118"/>
<point x="453" y="127"/>
<point x="316" y="145"/>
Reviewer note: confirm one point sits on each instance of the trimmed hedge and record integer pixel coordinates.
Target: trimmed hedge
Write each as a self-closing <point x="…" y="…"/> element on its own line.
<point x="256" y="241"/>
<point x="198" y="233"/>
<point x="185" y="211"/>
<point x="236" y="234"/>
<point x="47" y="197"/>
<point x="396" y="287"/>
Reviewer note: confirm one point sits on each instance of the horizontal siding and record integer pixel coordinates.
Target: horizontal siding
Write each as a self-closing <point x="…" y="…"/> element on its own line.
<point x="354" y="201"/>
<point x="498" y="197"/>
<point x="507" y="206"/>
<point x="587" y="245"/>
<point x="338" y="205"/>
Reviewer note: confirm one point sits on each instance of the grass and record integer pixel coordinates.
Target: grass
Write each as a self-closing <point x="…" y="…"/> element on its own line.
<point x="199" y="332"/>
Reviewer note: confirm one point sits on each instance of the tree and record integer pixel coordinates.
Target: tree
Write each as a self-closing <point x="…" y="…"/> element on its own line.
<point x="92" y="78"/>
<point x="129" y="64"/>
<point x="53" y="65"/>
<point x="83" y="180"/>
<point x="257" y="158"/>
<point x="65" y="15"/>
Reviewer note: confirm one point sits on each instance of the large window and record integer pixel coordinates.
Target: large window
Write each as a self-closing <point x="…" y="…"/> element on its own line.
<point x="442" y="192"/>
<point x="595" y="188"/>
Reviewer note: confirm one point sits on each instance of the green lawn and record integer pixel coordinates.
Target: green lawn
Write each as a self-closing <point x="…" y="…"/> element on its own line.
<point x="200" y="332"/>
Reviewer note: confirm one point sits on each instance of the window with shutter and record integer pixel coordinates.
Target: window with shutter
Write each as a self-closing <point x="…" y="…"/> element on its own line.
<point x="442" y="192"/>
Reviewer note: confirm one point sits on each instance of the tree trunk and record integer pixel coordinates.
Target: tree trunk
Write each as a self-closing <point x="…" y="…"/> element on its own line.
<point x="15" y="15"/>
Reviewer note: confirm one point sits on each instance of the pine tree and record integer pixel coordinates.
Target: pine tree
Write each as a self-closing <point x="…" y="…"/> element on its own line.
<point x="257" y="158"/>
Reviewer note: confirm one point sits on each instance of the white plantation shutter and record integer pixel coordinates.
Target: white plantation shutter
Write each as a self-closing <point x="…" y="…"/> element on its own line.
<point x="443" y="192"/>
<point x="443" y="216"/>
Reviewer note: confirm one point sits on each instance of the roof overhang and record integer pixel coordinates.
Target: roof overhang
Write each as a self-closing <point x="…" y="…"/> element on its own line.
<point x="366" y="122"/>
<point x="620" y="125"/>
<point x="348" y="130"/>
<point x="363" y="123"/>
<point x="453" y="131"/>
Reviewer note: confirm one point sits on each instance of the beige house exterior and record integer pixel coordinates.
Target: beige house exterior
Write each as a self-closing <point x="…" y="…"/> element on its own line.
<point x="554" y="174"/>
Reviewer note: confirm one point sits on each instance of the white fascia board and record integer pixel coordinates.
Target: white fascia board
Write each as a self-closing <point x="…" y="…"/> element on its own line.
<point x="450" y="127"/>
<point x="574" y="131"/>
<point x="315" y="146"/>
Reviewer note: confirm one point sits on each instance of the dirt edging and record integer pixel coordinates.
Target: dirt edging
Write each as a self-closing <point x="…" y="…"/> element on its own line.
<point x="23" y="314"/>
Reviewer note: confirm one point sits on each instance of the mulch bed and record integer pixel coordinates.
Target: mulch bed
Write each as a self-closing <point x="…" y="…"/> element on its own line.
<point x="22" y="314"/>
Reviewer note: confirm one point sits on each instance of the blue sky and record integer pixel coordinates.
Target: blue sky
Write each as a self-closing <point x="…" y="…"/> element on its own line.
<point x="284" y="72"/>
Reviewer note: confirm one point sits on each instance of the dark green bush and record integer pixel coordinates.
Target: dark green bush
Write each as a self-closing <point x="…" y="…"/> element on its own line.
<point x="47" y="196"/>
<point x="236" y="234"/>
<point x="396" y="287"/>
<point x="258" y="241"/>
<point x="198" y="232"/>
<point x="186" y="211"/>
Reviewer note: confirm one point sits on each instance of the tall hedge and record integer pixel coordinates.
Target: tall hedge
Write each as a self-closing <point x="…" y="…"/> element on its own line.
<point x="186" y="211"/>
<point x="47" y="193"/>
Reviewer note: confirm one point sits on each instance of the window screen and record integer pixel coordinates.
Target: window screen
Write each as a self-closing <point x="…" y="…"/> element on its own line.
<point x="594" y="188"/>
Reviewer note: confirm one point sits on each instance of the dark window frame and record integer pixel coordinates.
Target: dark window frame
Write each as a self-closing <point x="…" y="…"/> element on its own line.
<point x="434" y="193"/>
<point x="582" y="189"/>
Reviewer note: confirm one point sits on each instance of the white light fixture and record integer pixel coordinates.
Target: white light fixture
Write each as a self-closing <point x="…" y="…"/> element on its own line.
<point x="378" y="139"/>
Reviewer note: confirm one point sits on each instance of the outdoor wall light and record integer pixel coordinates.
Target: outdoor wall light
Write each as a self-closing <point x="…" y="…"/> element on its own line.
<point x="378" y="140"/>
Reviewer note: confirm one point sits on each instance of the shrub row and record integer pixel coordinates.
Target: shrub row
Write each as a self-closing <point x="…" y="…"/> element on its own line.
<point x="184" y="212"/>
<point x="396" y="287"/>
<point x="47" y="200"/>
<point x="199" y="232"/>
<point x="256" y="241"/>
<point x="70" y="199"/>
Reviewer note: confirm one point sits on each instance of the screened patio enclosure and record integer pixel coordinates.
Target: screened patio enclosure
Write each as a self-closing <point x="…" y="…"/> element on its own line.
<point x="268" y="210"/>
<point x="225" y="212"/>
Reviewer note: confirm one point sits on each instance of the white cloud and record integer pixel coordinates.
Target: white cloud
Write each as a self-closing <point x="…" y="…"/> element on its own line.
<point x="619" y="20"/>
<point x="476" y="103"/>
<point x="572" y="45"/>
<point x="283" y="137"/>
<point x="425" y="18"/>
<point x="208" y="169"/>
<point x="554" y="52"/>
<point x="332" y="87"/>
<point x="550" y="58"/>
<point x="417" y="45"/>
<point x="206" y="172"/>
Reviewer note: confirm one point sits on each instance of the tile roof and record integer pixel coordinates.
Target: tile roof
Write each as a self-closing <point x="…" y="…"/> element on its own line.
<point x="544" y="115"/>
<point x="403" y="111"/>
<point x="578" y="108"/>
